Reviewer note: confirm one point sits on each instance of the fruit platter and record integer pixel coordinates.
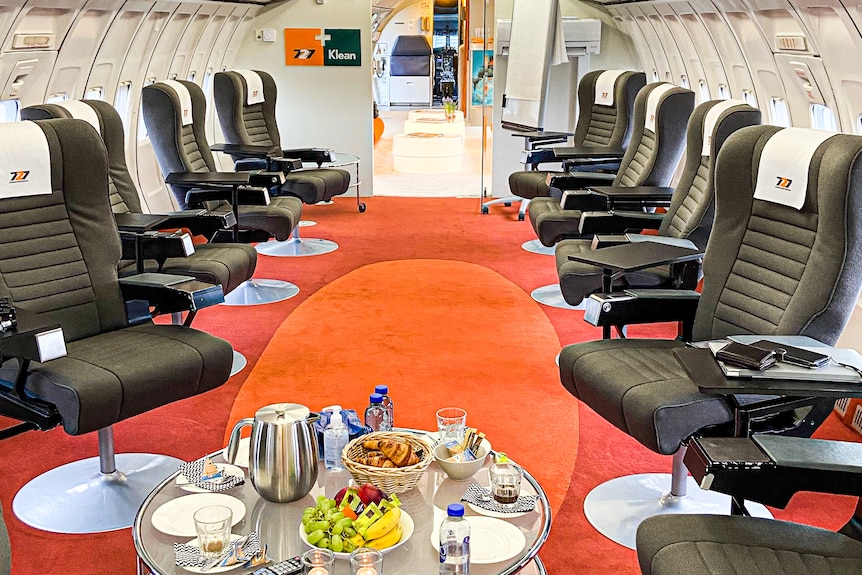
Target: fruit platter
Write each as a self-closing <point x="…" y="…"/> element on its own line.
<point x="361" y="516"/>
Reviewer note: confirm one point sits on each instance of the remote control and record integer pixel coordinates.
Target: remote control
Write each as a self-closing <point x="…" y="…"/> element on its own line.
<point x="286" y="567"/>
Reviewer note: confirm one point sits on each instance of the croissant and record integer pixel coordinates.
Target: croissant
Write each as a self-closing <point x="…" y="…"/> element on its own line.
<point x="371" y="444"/>
<point x="375" y="459"/>
<point x="398" y="451"/>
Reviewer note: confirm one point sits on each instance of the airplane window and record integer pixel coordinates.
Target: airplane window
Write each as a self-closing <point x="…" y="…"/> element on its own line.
<point x="8" y="110"/>
<point x="704" y="91"/>
<point x="191" y="76"/>
<point x="683" y="81"/>
<point x="823" y="118"/>
<point x="207" y="81"/>
<point x="749" y="98"/>
<point x="121" y="103"/>
<point x="94" y="93"/>
<point x="655" y="75"/>
<point x="779" y="112"/>
<point x="54" y="98"/>
<point x="723" y="92"/>
<point x="142" y="126"/>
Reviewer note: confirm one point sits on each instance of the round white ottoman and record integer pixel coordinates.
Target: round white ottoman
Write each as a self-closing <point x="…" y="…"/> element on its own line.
<point x="426" y="153"/>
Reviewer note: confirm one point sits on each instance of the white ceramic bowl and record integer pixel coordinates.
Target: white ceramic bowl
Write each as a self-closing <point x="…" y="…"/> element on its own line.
<point x="461" y="470"/>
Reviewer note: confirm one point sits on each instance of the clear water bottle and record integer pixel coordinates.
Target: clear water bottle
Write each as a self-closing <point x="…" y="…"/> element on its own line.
<point x="376" y="416"/>
<point x="455" y="542"/>
<point x="334" y="441"/>
<point x="387" y="402"/>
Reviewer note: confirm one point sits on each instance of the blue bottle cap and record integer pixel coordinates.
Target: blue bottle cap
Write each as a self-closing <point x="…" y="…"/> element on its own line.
<point x="376" y="398"/>
<point x="455" y="510"/>
<point x="381" y="389"/>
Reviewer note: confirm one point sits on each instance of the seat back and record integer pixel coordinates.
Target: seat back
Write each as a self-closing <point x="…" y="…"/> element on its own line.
<point x="177" y="133"/>
<point x="59" y="250"/>
<point x="771" y="268"/>
<point x="691" y="211"/>
<point x="410" y="56"/>
<point x="241" y="122"/>
<point x="606" y="119"/>
<point x="124" y="193"/>
<point x="661" y="112"/>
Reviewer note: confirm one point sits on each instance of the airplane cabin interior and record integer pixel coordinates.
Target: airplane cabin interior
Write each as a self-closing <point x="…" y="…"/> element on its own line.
<point x="604" y="255"/>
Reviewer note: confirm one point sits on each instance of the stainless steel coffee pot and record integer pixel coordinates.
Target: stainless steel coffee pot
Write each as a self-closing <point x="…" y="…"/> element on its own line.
<point x="282" y="462"/>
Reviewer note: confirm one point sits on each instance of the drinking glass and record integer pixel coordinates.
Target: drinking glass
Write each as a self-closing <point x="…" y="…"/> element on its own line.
<point x="212" y="524"/>
<point x="452" y="424"/>
<point x="505" y="483"/>
<point x="318" y="562"/>
<point x="366" y="561"/>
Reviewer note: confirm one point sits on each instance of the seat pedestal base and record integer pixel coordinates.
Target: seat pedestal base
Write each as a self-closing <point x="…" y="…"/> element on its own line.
<point x="296" y="247"/>
<point x="260" y="291"/>
<point x="616" y="508"/>
<point x="79" y="498"/>
<point x="552" y="295"/>
<point x="238" y="364"/>
<point x="536" y="247"/>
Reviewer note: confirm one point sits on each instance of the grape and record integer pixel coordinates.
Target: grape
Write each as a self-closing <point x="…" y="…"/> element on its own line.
<point x="336" y="543"/>
<point x="327" y="527"/>
<point x="315" y="536"/>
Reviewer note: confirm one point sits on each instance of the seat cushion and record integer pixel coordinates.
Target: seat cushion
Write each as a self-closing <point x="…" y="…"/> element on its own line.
<point x="278" y="218"/>
<point x="551" y="222"/>
<point x="115" y="375"/>
<point x="529" y="184"/>
<point x="718" y="545"/>
<point x="227" y="265"/>
<point x="638" y="386"/>
<point x="578" y="280"/>
<point x="312" y="186"/>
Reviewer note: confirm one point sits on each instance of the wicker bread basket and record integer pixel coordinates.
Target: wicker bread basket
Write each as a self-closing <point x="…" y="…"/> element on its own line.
<point x="390" y="480"/>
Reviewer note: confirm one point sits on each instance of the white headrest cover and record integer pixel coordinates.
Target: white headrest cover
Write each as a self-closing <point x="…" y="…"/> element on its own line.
<point x="711" y="120"/>
<point x="185" y="100"/>
<point x="81" y="111"/>
<point x="25" y="161"/>
<point x="605" y="84"/>
<point x="653" y="100"/>
<point x="254" y="84"/>
<point x="782" y="176"/>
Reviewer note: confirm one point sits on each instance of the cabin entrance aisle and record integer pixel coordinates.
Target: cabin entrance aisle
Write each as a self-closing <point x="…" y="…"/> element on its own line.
<point x="465" y="182"/>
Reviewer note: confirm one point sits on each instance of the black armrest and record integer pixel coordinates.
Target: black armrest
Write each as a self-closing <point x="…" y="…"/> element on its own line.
<point x="582" y="200"/>
<point x="618" y="222"/>
<point x="204" y="179"/>
<point x="601" y="241"/>
<point x="238" y="195"/>
<point x="155" y="245"/>
<point x="285" y="165"/>
<point x="35" y="337"/>
<point x="244" y="150"/>
<point x="139" y="223"/>
<point x="588" y="152"/>
<point x="579" y="180"/>
<point x="201" y="222"/>
<point x="647" y="196"/>
<point x="315" y="155"/>
<point x="266" y="179"/>
<point x="171" y="293"/>
<point x="643" y="306"/>
<point x="545" y="138"/>
<point x="770" y="469"/>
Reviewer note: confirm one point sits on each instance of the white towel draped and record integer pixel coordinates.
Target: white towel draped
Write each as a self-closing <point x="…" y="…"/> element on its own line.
<point x="782" y="175"/>
<point x="711" y="119"/>
<point x="82" y="111"/>
<point x="605" y="84"/>
<point x="254" y="83"/>
<point x="185" y="100"/>
<point x="25" y="161"/>
<point x="653" y="101"/>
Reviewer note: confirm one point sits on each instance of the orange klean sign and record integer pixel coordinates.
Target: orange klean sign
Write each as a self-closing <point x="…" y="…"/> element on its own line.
<point x="322" y="47"/>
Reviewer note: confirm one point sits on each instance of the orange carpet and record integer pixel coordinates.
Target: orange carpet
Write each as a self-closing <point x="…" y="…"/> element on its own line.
<point x="439" y="333"/>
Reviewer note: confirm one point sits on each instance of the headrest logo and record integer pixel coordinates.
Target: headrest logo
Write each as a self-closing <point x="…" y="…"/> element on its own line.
<point x="652" y="117"/>
<point x="783" y="183"/>
<point x="19" y="176"/>
<point x="604" y="94"/>
<point x="255" y="93"/>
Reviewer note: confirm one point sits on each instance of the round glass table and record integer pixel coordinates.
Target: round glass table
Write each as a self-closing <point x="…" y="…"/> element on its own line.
<point x="278" y="524"/>
<point x="342" y="160"/>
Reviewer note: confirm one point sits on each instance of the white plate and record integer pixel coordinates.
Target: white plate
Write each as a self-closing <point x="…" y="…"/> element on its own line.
<point x="241" y="452"/>
<point x="191" y="487"/>
<point x="194" y="543"/>
<point x="497" y="514"/>
<point x="491" y="540"/>
<point x="176" y="517"/>
<point x="406" y="532"/>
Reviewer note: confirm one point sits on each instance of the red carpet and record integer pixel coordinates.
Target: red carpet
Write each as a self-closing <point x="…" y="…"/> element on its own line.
<point x="392" y="229"/>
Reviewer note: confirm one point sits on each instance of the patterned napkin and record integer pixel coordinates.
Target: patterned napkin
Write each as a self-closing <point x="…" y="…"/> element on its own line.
<point x="193" y="471"/>
<point x="241" y="551"/>
<point x="481" y="497"/>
